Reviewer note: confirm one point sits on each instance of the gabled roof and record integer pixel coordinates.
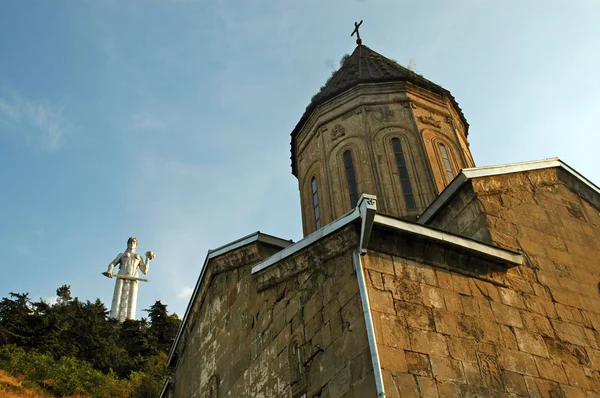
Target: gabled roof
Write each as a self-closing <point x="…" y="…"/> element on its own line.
<point x="476" y="172"/>
<point x="366" y="66"/>
<point x="213" y="253"/>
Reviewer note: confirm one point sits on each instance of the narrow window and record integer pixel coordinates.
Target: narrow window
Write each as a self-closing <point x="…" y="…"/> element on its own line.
<point x="315" y="197"/>
<point x="352" y="191"/>
<point x="409" y="197"/>
<point x="213" y="387"/>
<point x="296" y="362"/>
<point x="446" y="160"/>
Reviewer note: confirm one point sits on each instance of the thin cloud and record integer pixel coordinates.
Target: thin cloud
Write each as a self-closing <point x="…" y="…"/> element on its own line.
<point x="40" y="124"/>
<point x="185" y="292"/>
<point x="144" y="121"/>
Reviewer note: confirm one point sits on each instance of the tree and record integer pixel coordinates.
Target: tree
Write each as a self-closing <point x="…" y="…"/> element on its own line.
<point x="163" y="325"/>
<point x="64" y="294"/>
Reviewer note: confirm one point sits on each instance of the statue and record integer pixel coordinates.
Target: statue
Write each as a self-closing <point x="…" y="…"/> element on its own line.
<point x="125" y="295"/>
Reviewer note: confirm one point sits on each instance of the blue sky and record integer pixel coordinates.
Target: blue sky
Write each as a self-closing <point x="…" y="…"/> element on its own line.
<point x="170" y="120"/>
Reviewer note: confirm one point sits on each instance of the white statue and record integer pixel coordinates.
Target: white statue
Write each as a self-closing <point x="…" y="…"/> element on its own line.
<point x="126" y="286"/>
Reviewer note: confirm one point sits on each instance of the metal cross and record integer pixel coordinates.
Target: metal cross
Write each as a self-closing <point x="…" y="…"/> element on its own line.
<point x="356" y="26"/>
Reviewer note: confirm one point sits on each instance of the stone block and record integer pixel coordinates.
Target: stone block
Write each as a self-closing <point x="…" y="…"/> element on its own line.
<point x="340" y="383"/>
<point x="531" y="343"/>
<point x="428" y="342"/>
<point x="453" y="301"/>
<point x="537" y="324"/>
<point x="403" y="289"/>
<point x="393" y="331"/>
<point x="446" y="322"/>
<point x="364" y="388"/>
<point x="418" y="364"/>
<point x="417" y="316"/>
<point x="507" y="315"/>
<point x="389" y="384"/>
<point x="428" y="387"/>
<point x="567" y="353"/>
<point x="576" y="376"/>
<point x="379" y="262"/>
<point x="490" y="369"/>
<point x="551" y="369"/>
<point x="569" y="332"/>
<point x="407" y="385"/>
<point x="449" y="390"/>
<point x="381" y="301"/>
<point x="414" y="271"/>
<point x="515" y="383"/>
<point x="392" y="359"/>
<point x="375" y="279"/>
<point x="460" y="284"/>
<point x="433" y="296"/>
<point x="508" y="337"/>
<point x="462" y="349"/>
<point x="511" y="298"/>
<point x="447" y="369"/>
<point x="472" y="373"/>
<point x="517" y="361"/>
<point x="540" y="388"/>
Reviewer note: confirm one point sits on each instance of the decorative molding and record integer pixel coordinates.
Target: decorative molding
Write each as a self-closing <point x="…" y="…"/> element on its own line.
<point x="430" y="120"/>
<point x="337" y="132"/>
<point x="320" y="130"/>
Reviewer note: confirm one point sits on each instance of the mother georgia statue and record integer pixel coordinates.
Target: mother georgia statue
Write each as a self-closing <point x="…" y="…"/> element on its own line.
<point x="125" y="295"/>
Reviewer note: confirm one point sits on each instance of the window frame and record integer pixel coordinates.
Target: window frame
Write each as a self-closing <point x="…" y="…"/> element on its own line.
<point x="404" y="182"/>
<point x="350" y="171"/>
<point x="446" y="162"/>
<point x="315" y="201"/>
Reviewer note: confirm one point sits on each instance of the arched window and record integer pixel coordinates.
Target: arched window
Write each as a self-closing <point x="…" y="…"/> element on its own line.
<point x="315" y="196"/>
<point x="352" y="190"/>
<point x="447" y="164"/>
<point x="212" y="390"/>
<point x="298" y="379"/>
<point x="409" y="197"/>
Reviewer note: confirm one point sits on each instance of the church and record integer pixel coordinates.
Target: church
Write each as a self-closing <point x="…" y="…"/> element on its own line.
<point x="419" y="274"/>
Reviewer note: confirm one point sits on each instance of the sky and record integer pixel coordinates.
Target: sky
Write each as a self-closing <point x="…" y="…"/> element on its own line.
<point x="170" y="120"/>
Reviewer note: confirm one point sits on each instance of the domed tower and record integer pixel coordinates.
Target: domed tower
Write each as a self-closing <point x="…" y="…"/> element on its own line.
<point x="376" y="127"/>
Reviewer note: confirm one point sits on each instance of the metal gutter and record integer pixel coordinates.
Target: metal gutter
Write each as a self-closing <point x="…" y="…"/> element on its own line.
<point x="455" y="240"/>
<point x="487" y="171"/>
<point x="165" y="387"/>
<point x="246" y="240"/>
<point x="367" y="206"/>
<point x="364" y="298"/>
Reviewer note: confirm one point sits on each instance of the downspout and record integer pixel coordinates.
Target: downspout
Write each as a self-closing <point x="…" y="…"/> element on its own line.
<point x="367" y="206"/>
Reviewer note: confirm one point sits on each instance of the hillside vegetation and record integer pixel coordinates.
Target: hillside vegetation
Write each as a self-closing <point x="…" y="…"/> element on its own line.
<point x="72" y="348"/>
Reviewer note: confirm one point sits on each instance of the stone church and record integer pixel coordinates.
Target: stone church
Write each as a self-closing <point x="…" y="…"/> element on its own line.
<point x="419" y="274"/>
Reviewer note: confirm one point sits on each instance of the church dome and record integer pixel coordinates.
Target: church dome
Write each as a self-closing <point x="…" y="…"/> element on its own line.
<point x="366" y="66"/>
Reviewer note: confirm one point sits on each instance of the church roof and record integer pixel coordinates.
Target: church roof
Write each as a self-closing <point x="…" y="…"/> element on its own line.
<point x="366" y="66"/>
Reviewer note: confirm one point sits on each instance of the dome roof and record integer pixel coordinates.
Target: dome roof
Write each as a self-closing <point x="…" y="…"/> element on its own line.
<point x="366" y="66"/>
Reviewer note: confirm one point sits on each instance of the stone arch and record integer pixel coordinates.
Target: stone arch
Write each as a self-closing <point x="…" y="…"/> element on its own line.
<point x="314" y="170"/>
<point x="360" y="158"/>
<point x="387" y="168"/>
<point x="212" y="388"/>
<point x="298" y="379"/>
<point x="432" y="141"/>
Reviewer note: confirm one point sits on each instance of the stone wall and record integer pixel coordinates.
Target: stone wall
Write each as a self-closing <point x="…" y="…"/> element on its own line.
<point x="245" y="329"/>
<point x="542" y="336"/>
